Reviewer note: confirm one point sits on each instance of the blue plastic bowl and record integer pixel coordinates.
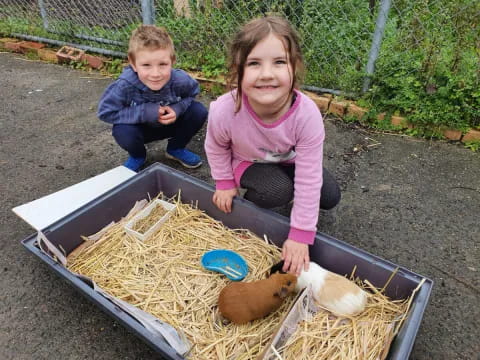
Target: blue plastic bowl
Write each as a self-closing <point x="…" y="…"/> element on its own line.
<point x="226" y="262"/>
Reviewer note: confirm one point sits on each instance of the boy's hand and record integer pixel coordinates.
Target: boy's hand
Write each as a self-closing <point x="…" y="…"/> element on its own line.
<point x="223" y="199"/>
<point x="166" y="115"/>
<point x="295" y="256"/>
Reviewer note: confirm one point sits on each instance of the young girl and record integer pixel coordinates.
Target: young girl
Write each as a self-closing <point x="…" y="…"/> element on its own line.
<point x="267" y="137"/>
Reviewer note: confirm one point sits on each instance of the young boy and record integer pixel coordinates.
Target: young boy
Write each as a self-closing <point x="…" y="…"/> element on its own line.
<point x="152" y="101"/>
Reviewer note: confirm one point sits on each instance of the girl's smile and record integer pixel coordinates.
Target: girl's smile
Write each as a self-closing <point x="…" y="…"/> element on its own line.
<point x="267" y="87"/>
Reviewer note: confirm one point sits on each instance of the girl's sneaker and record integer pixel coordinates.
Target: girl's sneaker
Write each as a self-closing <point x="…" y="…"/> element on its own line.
<point x="134" y="163"/>
<point x="184" y="157"/>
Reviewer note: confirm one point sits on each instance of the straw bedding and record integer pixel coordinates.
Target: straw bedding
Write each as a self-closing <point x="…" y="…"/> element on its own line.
<point x="163" y="276"/>
<point x="366" y="336"/>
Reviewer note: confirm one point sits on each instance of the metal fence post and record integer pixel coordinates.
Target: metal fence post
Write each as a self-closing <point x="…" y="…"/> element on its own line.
<point x="148" y="12"/>
<point x="376" y="42"/>
<point x="43" y="14"/>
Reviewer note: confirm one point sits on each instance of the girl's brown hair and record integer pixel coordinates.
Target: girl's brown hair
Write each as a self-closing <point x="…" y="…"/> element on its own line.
<point x="250" y="35"/>
<point x="149" y="37"/>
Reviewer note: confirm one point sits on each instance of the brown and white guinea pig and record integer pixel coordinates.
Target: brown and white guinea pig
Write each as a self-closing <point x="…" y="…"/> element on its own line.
<point x="241" y="302"/>
<point x="331" y="291"/>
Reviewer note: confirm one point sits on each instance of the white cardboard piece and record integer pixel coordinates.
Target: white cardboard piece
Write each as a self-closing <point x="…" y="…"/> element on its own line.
<point x="45" y="211"/>
<point x="170" y="208"/>
<point x="303" y="308"/>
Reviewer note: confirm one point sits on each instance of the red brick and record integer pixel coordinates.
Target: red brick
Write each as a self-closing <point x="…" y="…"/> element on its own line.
<point x="381" y="116"/>
<point x="3" y="41"/>
<point x="94" y="62"/>
<point x="399" y="121"/>
<point x="452" y="134"/>
<point x="13" y="46"/>
<point x="29" y="46"/>
<point x="338" y="107"/>
<point x="47" y="55"/>
<point x="471" y="135"/>
<point x="68" y="53"/>
<point x="356" y="111"/>
<point x="321" y="101"/>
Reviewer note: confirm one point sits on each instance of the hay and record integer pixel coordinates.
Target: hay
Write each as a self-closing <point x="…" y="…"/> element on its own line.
<point x="365" y="336"/>
<point x="163" y="276"/>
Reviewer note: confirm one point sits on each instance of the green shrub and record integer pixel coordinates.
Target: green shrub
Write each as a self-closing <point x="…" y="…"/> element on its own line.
<point x="431" y="73"/>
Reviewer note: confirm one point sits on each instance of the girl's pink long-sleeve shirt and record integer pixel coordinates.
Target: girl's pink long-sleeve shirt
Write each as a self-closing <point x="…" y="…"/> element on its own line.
<point x="234" y="141"/>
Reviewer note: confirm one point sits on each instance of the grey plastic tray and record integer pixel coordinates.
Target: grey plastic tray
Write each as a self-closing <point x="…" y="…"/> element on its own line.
<point x="333" y="254"/>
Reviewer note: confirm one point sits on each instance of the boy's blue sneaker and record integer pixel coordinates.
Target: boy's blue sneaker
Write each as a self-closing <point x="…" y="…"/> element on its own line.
<point x="134" y="163"/>
<point x="184" y="157"/>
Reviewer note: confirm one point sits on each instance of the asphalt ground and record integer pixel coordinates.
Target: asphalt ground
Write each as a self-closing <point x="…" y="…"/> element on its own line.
<point x="411" y="201"/>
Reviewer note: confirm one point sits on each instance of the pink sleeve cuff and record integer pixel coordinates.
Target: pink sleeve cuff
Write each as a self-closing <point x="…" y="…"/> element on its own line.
<point x="225" y="184"/>
<point x="239" y="170"/>
<point x="302" y="236"/>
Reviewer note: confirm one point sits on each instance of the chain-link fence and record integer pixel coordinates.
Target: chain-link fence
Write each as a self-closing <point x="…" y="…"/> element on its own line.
<point x="343" y="41"/>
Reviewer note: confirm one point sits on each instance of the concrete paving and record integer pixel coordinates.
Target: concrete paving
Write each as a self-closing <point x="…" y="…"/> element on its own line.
<point x="410" y="201"/>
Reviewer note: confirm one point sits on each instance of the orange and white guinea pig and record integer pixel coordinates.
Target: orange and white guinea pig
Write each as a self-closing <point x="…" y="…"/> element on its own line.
<point x="241" y="302"/>
<point x="335" y="293"/>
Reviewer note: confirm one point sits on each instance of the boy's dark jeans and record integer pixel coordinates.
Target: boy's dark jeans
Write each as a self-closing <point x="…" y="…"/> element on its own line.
<point x="133" y="138"/>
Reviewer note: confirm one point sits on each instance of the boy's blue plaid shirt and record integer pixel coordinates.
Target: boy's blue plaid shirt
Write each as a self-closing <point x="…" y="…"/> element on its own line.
<point x="129" y="101"/>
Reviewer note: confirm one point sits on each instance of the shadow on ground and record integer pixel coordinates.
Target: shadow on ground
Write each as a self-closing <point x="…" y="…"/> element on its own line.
<point x="410" y="201"/>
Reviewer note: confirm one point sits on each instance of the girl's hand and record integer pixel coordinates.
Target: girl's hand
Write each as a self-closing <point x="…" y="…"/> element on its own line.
<point x="166" y="115"/>
<point x="223" y="199"/>
<point x="296" y="258"/>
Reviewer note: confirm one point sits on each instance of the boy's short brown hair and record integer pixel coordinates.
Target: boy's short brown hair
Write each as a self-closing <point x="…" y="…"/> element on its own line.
<point x="149" y="37"/>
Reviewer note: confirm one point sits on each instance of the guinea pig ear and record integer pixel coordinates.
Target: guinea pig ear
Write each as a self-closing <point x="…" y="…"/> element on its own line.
<point x="277" y="268"/>
<point x="282" y="293"/>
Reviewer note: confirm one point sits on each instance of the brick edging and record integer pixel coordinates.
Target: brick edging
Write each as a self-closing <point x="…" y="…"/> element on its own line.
<point x="326" y="103"/>
<point x="65" y="54"/>
<point x="329" y="105"/>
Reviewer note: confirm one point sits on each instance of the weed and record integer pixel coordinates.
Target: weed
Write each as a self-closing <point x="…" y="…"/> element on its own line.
<point x="350" y="119"/>
<point x="114" y="67"/>
<point x="473" y="145"/>
<point x="80" y="65"/>
<point x="31" y="55"/>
